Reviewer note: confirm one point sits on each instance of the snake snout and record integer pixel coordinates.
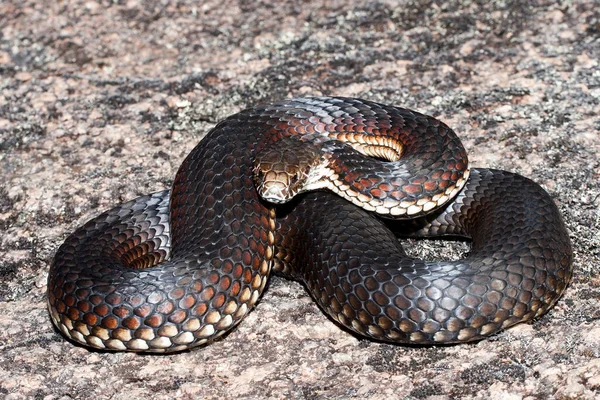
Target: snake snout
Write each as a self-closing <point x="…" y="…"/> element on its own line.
<point x="278" y="182"/>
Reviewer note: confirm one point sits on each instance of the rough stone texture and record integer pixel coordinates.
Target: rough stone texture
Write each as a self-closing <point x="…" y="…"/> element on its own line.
<point x="101" y="100"/>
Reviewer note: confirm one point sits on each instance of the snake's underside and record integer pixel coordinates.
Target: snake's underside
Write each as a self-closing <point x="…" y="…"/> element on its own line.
<point x="175" y="269"/>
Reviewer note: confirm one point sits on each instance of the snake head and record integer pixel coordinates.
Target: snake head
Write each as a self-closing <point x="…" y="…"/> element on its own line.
<point x="282" y="171"/>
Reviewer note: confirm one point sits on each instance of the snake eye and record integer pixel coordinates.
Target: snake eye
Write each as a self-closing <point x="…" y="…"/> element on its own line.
<point x="259" y="175"/>
<point x="295" y="178"/>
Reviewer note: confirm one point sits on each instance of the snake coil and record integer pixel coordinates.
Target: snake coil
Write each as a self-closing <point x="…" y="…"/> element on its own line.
<point x="178" y="268"/>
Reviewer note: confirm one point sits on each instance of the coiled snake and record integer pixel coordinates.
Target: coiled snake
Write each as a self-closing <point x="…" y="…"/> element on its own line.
<point x="176" y="269"/>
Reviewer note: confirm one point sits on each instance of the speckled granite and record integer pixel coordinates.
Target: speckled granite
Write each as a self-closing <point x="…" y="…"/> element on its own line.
<point x="101" y="100"/>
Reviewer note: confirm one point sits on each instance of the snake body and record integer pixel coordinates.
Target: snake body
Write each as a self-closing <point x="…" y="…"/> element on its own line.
<point x="178" y="268"/>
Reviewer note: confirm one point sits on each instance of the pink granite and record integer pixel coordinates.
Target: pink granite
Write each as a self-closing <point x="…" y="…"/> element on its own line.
<point x="101" y="100"/>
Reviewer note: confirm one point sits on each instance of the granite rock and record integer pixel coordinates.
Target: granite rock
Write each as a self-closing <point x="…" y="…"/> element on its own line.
<point x="101" y="100"/>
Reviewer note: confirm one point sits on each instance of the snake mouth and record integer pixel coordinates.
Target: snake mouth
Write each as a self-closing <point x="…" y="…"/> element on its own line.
<point x="275" y="192"/>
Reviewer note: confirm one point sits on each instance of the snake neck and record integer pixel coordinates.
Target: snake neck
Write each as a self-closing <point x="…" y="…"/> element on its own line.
<point x="392" y="161"/>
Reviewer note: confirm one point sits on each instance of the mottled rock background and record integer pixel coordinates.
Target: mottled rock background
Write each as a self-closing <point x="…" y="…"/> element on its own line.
<point x="101" y="100"/>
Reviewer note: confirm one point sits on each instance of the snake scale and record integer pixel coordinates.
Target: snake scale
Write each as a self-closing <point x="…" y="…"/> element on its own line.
<point x="176" y="269"/>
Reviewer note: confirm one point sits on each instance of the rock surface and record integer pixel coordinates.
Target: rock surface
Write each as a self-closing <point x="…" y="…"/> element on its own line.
<point x="101" y="100"/>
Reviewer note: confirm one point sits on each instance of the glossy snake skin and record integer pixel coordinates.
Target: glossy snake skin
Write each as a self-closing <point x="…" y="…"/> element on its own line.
<point x="176" y="269"/>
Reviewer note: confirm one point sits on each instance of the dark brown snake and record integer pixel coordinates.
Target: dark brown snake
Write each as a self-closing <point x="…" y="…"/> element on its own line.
<point x="176" y="269"/>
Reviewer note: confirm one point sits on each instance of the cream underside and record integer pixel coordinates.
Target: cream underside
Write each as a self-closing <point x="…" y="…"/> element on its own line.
<point x="323" y="177"/>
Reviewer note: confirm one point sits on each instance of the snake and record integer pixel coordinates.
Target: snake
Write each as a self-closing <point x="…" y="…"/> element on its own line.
<point x="316" y="189"/>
